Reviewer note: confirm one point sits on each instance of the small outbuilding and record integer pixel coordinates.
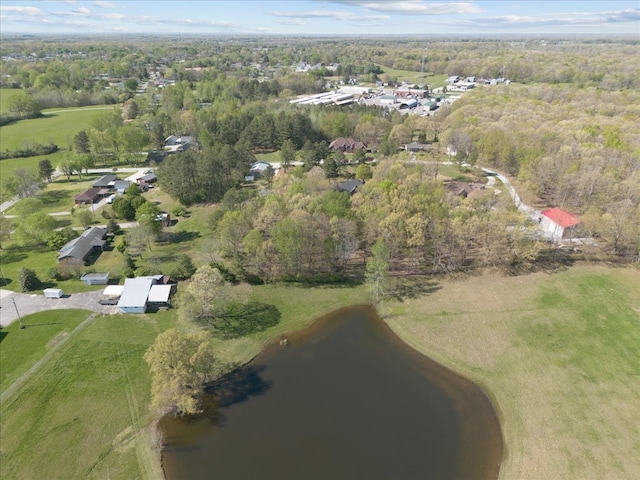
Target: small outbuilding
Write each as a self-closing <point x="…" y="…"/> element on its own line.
<point x="52" y="293"/>
<point x="559" y="224"/>
<point x="95" y="278"/>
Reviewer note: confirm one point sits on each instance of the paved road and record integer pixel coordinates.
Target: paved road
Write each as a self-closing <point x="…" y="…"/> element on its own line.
<point x="28" y="303"/>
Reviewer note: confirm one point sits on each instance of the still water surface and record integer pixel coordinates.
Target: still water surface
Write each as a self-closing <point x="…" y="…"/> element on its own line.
<point x="346" y="400"/>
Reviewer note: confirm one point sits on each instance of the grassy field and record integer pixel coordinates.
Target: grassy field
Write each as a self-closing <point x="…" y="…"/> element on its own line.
<point x="559" y="354"/>
<point x="45" y="330"/>
<point x="85" y="413"/>
<point x="414" y="77"/>
<point x="56" y="126"/>
<point x="5" y="95"/>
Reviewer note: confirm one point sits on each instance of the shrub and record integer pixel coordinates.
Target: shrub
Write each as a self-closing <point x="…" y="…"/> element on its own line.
<point x="28" y="280"/>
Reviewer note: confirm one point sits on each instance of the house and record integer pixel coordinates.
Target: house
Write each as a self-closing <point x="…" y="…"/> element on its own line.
<point x="415" y="147"/>
<point x="105" y="181"/>
<point x="175" y="144"/>
<point x="156" y="156"/>
<point x="559" y="224"/>
<point x="258" y="169"/>
<point x="77" y="251"/>
<point x="147" y="179"/>
<point x="347" y="145"/>
<point x="89" y="196"/>
<point x="96" y="278"/>
<point x="350" y="186"/>
<point x="121" y="186"/>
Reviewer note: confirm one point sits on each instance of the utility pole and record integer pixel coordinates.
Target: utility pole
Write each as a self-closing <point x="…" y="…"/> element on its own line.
<point x="22" y="326"/>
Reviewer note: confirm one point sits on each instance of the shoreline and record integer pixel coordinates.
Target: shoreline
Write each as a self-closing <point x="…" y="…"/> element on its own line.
<point x="470" y="400"/>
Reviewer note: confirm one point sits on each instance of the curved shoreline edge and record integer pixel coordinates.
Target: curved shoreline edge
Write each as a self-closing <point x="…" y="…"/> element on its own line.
<point x="476" y="408"/>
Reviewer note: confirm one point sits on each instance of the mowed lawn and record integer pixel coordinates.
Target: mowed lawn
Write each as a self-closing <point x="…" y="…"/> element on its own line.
<point x="57" y="126"/>
<point x="559" y="354"/>
<point x="85" y="413"/>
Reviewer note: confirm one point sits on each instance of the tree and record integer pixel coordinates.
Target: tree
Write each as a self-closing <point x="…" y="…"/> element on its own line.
<point x="184" y="267"/>
<point x="28" y="280"/>
<point x="45" y="169"/>
<point x="35" y="228"/>
<point x="81" y="142"/>
<point x="181" y="364"/>
<point x="377" y="270"/>
<point x="331" y="167"/>
<point x="207" y="297"/>
<point x="22" y="183"/>
<point x="359" y="156"/>
<point x="86" y="217"/>
<point x="24" y="105"/>
<point x="123" y="208"/>
<point x="363" y="172"/>
<point x="287" y="154"/>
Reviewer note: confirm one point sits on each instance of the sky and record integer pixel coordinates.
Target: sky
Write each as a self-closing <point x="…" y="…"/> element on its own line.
<point x="321" y="17"/>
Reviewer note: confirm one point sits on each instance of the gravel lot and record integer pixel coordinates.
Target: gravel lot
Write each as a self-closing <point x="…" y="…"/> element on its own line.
<point x="28" y="303"/>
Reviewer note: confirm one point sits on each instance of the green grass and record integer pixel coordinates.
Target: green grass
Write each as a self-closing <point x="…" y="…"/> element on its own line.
<point x="57" y="126"/>
<point x="414" y="77"/>
<point x="25" y="347"/>
<point x="84" y="413"/>
<point x="5" y="95"/>
<point x="558" y="354"/>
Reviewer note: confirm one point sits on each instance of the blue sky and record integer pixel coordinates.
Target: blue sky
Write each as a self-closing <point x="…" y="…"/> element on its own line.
<point x="329" y="17"/>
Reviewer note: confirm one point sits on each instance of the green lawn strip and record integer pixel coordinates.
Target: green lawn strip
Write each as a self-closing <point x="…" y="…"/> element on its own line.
<point x="20" y="349"/>
<point x="57" y="126"/>
<point x="558" y="354"/>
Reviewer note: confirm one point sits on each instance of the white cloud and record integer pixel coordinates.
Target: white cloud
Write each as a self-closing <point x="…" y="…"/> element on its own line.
<point x="26" y="11"/>
<point x="296" y="23"/>
<point x="414" y="7"/>
<point x="102" y="4"/>
<point x="328" y="14"/>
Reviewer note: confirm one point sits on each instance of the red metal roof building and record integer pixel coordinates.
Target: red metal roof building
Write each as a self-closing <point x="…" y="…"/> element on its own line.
<point x="559" y="223"/>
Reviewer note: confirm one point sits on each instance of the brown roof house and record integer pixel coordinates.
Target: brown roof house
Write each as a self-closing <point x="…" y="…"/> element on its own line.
<point x="89" y="196"/>
<point x="78" y="251"/>
<point x="347" y="145"/>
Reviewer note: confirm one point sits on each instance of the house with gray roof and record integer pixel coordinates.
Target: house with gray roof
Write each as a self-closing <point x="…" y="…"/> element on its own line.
<point x="77" y="251"/>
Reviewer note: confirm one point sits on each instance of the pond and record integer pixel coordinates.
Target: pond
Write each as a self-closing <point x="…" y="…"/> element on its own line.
<point x="346" y="399"/>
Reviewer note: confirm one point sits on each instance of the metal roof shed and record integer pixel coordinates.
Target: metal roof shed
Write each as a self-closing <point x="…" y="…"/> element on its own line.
<point x="160" y="294"/>
<point x="135" y="294"/>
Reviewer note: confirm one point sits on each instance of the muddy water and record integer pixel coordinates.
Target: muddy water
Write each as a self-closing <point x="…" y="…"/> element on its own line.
<point x="346" y="400"/>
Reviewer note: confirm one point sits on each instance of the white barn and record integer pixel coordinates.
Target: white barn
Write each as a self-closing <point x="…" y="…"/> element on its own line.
<point x="135" y="294"/>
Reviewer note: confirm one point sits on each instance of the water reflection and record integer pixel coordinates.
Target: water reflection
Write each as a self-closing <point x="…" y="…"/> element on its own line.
<point x="346" y="400"/>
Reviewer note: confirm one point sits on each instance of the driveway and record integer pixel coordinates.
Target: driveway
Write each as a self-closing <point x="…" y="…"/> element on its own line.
<point x="28" y="303"/>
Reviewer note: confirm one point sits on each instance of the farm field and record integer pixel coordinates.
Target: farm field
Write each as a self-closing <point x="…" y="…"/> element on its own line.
<point x="557" y="353"/>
